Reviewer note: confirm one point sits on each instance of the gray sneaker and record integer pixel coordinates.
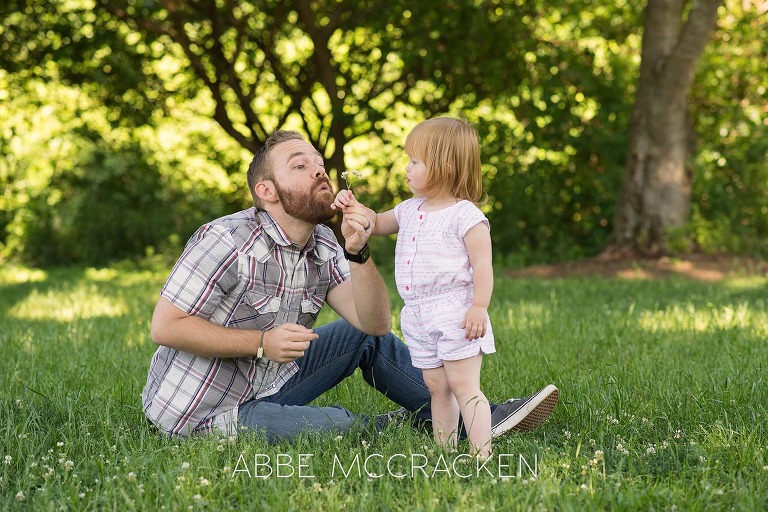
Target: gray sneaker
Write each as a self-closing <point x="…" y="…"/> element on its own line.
<point x="398" y="418"/>
<point x="522" y="414"/>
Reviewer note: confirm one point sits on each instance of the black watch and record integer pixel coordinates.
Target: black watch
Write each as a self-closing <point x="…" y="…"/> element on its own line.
<point x="360" y="257"/>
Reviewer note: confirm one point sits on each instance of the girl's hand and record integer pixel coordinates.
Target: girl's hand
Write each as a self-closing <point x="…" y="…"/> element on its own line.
<point x="357" y="224"/>
<point x="343" y="199"/>
<point x="475" y="322"/>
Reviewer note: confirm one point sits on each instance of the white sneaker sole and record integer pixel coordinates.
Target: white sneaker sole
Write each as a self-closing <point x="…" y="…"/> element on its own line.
<point x="532" y="414"/>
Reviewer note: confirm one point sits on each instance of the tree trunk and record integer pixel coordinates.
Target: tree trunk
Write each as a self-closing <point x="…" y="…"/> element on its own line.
<point x="656" y="195"/>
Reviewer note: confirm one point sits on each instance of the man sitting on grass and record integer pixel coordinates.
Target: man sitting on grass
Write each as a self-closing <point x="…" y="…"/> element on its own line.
<point x="234" y="320"/>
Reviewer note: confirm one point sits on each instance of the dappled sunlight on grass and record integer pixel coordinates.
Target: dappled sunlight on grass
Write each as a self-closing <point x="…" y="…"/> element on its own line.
<point x="690" y="318"/>
<point x="84" y="302"/>
<point x="745" y="284"/>
<point x="661" y="390"/>
<point x="524" y="315"/>
<point x="12" y="274"/>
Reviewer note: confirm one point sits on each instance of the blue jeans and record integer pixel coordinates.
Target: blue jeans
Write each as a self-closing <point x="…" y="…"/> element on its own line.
<point x="386" y="365"/>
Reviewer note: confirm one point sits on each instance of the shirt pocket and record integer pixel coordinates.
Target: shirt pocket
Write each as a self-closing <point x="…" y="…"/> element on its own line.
<point x="309" y="309"/>
<point x="260" y="310"/>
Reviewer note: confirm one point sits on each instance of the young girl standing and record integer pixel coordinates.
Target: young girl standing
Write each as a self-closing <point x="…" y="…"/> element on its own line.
<point x="444" y="274"/>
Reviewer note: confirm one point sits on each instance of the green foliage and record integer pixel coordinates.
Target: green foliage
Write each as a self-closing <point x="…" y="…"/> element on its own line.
<point x="77" y="190"/>
<point x="730" y="196"/>
<point x="168" y="107"/>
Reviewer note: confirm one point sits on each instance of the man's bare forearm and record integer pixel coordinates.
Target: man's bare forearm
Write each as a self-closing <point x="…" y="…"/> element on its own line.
<point x="372" y="303"/>
<point x="174" y="328"/>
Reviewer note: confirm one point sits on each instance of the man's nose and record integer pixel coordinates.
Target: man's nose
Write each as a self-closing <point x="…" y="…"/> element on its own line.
<point x="320" y="171"/>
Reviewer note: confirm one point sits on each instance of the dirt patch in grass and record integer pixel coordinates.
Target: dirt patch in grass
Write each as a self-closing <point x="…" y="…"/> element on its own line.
<point x="701" y="267"/>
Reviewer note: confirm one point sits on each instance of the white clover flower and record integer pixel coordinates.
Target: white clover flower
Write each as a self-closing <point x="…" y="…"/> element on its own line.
<point x="185" y="465"/>
<point x="69" y="465"/>
<point x="20" y="496"/>
<point x="8" y="459"/>
<point x="60" y="444"/>
<point x="204" y="481"/>
<point x="351" y="175"/>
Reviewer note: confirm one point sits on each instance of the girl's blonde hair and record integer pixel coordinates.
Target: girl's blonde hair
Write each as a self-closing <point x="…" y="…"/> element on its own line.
<point x="450" y="151"/>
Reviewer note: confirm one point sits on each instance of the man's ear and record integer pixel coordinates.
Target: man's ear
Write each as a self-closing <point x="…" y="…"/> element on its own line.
<point x="266" y="191"/>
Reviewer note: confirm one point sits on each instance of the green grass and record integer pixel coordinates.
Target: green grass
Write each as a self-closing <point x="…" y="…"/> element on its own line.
<point x="663" y="407"/>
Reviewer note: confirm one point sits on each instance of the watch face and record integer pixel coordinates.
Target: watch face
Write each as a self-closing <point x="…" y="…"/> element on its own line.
<point x="360" y="257"/>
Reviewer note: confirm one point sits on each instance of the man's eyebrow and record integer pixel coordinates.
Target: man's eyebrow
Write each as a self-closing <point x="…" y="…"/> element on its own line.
<point x="303" y="153"/>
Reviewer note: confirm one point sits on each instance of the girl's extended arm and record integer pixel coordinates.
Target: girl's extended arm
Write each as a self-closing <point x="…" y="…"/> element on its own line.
<point x="478" y="243"/>
<point x="386" y="223"/>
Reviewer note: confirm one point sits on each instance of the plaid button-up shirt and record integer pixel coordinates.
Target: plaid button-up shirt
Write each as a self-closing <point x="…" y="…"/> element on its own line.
<point x="239" y="271"/>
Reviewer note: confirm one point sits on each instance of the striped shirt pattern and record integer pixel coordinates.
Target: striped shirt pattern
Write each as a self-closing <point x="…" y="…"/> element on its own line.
<point x="239" y="271"/>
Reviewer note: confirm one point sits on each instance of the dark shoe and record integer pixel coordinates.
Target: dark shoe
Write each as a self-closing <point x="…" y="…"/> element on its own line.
<point x="398" y="418"/>
<point x="522" y="414"/>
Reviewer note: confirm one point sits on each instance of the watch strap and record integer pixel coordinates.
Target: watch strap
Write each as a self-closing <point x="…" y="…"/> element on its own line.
<point x="360" y="257"/>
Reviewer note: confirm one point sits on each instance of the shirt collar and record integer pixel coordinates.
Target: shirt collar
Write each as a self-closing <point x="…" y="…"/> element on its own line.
<point x="317" y="248"/>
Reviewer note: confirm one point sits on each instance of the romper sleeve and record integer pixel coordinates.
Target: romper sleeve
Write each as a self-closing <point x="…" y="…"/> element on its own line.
<point x="470" y="216"/>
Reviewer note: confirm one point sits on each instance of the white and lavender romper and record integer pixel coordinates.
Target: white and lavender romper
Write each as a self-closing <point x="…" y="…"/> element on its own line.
<point x="434" y="278"/>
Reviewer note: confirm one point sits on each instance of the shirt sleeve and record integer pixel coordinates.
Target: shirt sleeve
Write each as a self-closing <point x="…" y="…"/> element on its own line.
<point x="339" y="269"/>
<point x="205" y="272"/>
<point x="470" y="216"/>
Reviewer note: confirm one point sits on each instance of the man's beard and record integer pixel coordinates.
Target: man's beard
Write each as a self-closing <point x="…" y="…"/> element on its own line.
<point x="307" y="206"/>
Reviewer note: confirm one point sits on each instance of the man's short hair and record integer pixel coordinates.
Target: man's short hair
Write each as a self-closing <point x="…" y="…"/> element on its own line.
<point x="261" y="168"/>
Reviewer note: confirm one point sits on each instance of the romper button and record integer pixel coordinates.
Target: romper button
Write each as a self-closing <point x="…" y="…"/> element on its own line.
<point x="421" y="217"/>
<point x="407" y="288"/>
<point x="408" y="262"/>
<point x="413" y="239"/>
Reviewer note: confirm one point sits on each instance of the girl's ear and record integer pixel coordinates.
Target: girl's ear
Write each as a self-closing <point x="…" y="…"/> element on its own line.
<point x="266" y="191"/>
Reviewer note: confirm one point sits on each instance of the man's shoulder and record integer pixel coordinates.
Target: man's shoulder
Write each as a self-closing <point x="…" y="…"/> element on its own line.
<point x="240" y="224"/>
<point x="237" y="219"/>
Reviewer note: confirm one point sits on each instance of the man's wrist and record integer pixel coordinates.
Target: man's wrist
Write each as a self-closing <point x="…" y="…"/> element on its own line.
<point x="359" y="257"/>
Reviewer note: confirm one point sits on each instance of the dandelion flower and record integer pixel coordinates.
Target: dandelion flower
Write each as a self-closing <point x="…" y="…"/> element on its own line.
<point x="349" y="176"/>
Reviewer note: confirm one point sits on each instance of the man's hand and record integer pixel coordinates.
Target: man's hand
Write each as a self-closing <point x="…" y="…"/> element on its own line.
<point x="358" y="221"/>
<point x="475" y="322"/>
<point x="287" y="342"/>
